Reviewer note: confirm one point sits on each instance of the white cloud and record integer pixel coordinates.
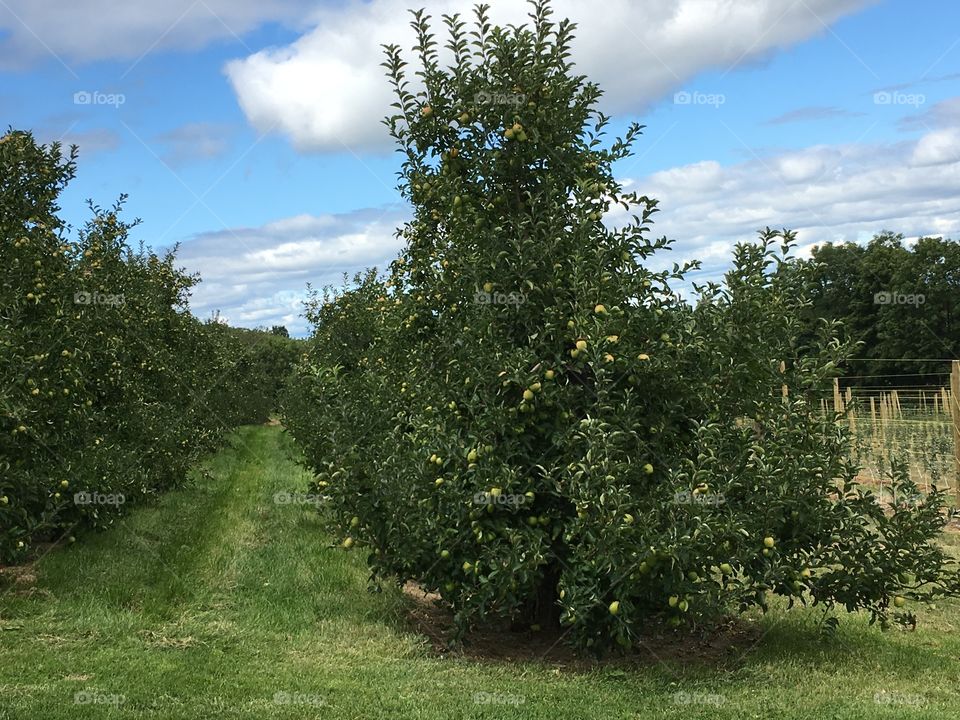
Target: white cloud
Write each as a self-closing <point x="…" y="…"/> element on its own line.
<point x="327" y="90"/>
<point x="257" y="276"/>
<point x="83" y="31"/>
<point x="937" y="148"/>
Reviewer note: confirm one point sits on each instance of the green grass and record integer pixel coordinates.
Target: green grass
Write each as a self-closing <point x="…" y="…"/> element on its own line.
<point x="217" y="601"/>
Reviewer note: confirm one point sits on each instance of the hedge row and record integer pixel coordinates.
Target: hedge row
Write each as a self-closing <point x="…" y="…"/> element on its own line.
<point x="110" y="389"/>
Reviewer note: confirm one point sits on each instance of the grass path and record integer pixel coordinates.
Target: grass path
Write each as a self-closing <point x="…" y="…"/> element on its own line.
<point x="218" y="602"/>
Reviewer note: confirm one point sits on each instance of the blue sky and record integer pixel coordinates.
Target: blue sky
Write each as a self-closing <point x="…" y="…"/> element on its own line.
<point x="249" y="131"/>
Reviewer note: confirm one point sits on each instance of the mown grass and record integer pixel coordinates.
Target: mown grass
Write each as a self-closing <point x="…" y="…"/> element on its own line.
<point x="218" y="602"/>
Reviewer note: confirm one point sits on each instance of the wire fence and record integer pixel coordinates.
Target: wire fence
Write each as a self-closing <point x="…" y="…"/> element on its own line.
<point x="918" y="423"/>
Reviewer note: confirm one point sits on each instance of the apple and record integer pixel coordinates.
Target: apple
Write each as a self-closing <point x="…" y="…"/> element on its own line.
<point x="529" y="495"/>
<point x="571" y="324"/>
<point x="648" y="469"/>
<point x="726" y="568"/>
<point x="673" y="600"/>
<point x="628" y="519"/>
<point x="581" y="345"/>
<point x="613" y="339"/>
<point x="64" y="483"/>
<point x="899" y="601"/>
<point x="472" y="456"/>
<point x="354" y="521"/>
<point x="549" y="374"/>
<point x="665" y="337"/>
<point x="528" y="394"/>
<point x="683" y="605"/>
<point x="449" y="586"/>
<point x="467" y="566"/>
<point x="600" y="310"/>
<point x="643" y="357"/>
<point x="496" y="492"/>
<point x="438" y="482"/>
<point x="4" y="500"/>
<point x="614" y="607"/>
<point x="347" y="543"/>
<point x="769" y="542"/>
<point x="805" y="573"/>
<point x="444" y="554"/>
<point x="488" y="287"/>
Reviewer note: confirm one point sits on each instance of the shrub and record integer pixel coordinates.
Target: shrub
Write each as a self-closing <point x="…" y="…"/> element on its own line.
<point x="110" y="389"/>
<point x="525" y="417"/>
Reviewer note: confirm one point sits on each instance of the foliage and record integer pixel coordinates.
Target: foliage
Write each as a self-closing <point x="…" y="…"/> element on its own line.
<point x="525" y="417"/>
<point x="899" y="301"/>
<point x="109" y="388"/>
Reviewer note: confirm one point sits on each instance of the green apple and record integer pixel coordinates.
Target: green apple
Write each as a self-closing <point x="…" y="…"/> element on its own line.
<point x="628" y="519"/>
<point x="648" y="469"/>
<point x="472" y="456"/>
<point x="614" y="607"/>
<point x="347" y="542"/>
<point x="899" y="601"/>
<point x="549" y="374"/>
<point x="536" y="387"/>
<point x="726" y="568"/>
<point x="528" y="394"/>
<point x="600" y="310"/>
<point x="769" y="542"/>
<point x="444" y="554"/>
<point x="466" y="566"/>
<point x="354" y="521"/>
<point x="488" y="287"/>
<point x="581" y="345"/>
<point x="673" y="600"/>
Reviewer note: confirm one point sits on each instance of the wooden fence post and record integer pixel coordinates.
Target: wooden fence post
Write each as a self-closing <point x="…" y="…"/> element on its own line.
<point x="955" y="415"/>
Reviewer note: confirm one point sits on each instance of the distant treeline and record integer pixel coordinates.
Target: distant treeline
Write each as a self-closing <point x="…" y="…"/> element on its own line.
<point x="898" y="300"/>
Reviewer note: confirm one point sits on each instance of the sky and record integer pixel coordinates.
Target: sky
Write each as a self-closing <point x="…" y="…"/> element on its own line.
<point x="248" y="131"/>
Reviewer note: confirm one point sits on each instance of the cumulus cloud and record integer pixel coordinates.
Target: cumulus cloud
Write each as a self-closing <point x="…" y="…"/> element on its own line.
<point x="837" y="193"/>
<point x="826" y="193"/>
<point x="258" y="276"/>
<point x="327" y="90"/>
<point x="816" y="112"/>
<point x="83" y="31"/>
<point x="194" y="142"/>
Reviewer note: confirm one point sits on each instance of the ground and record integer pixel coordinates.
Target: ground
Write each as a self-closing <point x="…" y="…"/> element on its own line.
<point x="219" y="602"/>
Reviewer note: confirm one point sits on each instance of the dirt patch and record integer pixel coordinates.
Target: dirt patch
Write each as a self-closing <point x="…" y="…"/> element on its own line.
<point x="431" y="618"/>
